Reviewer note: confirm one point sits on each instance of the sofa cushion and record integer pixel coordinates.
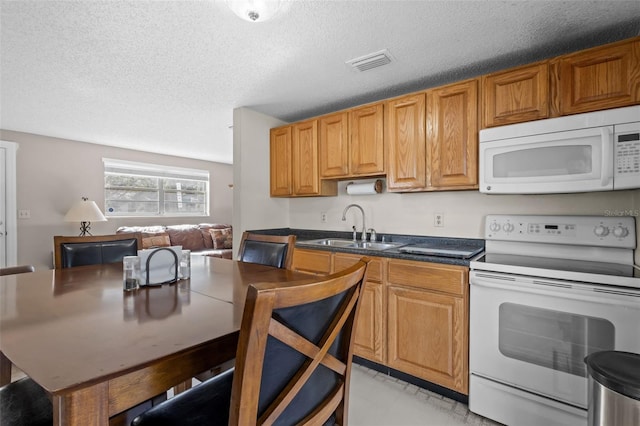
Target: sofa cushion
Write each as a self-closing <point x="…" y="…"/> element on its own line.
<point x="222" y="238"/>
<point x="206" y="236"/>
<point x="187" y="236"/>
<point x="155" y="240"/>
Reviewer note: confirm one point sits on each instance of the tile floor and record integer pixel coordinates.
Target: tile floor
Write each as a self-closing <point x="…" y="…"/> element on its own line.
<point x="380" y="400"/>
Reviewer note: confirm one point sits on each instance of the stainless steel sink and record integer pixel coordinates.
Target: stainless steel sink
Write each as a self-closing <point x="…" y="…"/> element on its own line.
<point x="372" y="245"/>
<point x="337" y="242"/>
<point x="330" y="242"/>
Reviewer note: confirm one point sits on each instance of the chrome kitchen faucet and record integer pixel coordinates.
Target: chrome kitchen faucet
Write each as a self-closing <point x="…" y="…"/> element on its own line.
<point x="364" y="228"/>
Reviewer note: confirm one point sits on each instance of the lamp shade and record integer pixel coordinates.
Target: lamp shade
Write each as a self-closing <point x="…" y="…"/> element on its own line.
<point x="85" y="210"/>
<point x="254" y="10"/>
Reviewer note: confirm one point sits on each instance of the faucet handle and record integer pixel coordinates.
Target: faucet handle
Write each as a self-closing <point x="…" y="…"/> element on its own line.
<point x="355" y="234"/>
<point x="373" y="235"/>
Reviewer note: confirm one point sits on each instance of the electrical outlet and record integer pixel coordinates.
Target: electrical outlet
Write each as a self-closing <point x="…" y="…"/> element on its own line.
<point x="24" y="214"/>
<point x="323" y="217"/>
<point x="438" y="219"/>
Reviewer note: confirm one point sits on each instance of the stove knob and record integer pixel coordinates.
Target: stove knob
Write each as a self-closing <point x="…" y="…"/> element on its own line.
<point x="601" y="231"/>
<point x="508" y="227"/>
<point x="495" y="227"/>
<point x="620" y="231"/>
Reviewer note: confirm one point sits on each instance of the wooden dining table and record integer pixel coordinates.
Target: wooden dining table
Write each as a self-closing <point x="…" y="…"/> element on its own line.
<point x="98" y="350"/>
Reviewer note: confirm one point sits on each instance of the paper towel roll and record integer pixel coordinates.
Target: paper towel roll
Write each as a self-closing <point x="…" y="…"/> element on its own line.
<point x="365" y="188"/>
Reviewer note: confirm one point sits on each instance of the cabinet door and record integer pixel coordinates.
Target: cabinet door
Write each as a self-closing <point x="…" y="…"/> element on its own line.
<point x="406" y="143"/>
<point x="427" y="336"/>
<point x="367" y="140"/>
<point x="600" y="78"/>
<point x="516" y="95"/>
<point x="305" y="158"/>
<point x="280" y="161"/>
<point x="315" y="262"/>
<point x="452" y="138"/>
<point x="371" y="323"/>
<point x="333" y="142"/>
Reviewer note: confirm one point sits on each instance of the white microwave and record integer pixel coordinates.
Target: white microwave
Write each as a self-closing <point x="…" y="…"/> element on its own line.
<point x="595" y="151"/>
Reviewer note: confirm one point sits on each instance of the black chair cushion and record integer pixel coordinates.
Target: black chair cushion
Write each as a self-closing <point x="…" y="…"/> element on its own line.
<point x="265" y="253"/>
<point x="25" y="403"/>
<point x="205" y="404"/>
<point x="281" y="362"/>
<point x="95" y="253"/>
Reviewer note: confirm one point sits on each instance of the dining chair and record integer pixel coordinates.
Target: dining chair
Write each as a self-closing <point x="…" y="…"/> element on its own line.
<point x="93" y="250"/>
<point x="12" y="270"/>
<point x="24" y="402"/>
<point x="272" y="250"/>
<point x="293" y="362"/>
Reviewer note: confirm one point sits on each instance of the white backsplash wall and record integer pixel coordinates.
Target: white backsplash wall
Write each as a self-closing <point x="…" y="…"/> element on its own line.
<point x="463" y="211"/>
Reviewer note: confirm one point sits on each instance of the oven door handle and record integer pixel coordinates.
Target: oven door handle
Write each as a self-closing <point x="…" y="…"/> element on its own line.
<point x="540" y="286"/>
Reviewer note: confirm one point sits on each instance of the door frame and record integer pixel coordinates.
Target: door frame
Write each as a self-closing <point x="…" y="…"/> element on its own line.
<point x="10" y="202"/>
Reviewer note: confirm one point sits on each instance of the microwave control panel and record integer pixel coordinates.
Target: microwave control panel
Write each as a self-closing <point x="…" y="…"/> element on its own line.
<point x="627" y="156"/>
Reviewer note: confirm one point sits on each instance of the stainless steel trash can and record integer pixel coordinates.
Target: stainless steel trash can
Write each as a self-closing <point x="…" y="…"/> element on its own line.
<point x="614" y="388"/>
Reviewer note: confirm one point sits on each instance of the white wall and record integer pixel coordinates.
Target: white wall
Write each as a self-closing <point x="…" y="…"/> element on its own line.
<point x="253" y="207"/>
<point x="410" y="213"/>
<point x="54" y="173"/>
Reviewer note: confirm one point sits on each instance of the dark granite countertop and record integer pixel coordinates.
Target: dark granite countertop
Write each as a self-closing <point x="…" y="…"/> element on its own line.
<point x="303" y="235"/>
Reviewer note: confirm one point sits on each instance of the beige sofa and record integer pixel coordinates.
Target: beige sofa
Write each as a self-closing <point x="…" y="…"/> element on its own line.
<point x="207" y="239"/>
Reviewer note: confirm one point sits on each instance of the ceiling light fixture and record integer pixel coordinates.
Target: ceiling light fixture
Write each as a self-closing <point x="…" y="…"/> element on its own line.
<point x="254" y="10"/>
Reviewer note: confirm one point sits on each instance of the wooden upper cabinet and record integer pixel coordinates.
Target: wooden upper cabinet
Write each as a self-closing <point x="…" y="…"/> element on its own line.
<point x="304" y="152"/>
<point x="599" y="78"/>
<point x="516" y="95"/>
<point x="367" y="140"/>
<point x="334" y="145"/>
<point x="280" y="158"/>
<point x="305" y="158"/>
<point x="352" y="143"/>
<point x="406" y="143"/>
<point x="452" y="136"/>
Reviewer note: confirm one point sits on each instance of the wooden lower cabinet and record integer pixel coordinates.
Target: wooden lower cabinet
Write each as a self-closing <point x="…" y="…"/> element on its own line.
<point x="427" y="328"/>
<point x="371" y="324"/>
<point x="315" y="262"/>
<point x="414" y="316"/>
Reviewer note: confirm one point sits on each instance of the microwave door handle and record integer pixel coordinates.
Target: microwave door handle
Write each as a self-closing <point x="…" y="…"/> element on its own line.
<point x="607" y="161"/>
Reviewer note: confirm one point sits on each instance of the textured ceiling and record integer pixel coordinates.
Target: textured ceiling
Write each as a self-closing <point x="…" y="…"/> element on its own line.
<point x="165" y="76"/>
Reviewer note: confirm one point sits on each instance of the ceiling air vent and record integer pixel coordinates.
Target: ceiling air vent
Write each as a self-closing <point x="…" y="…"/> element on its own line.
<point x="370" y="61"/>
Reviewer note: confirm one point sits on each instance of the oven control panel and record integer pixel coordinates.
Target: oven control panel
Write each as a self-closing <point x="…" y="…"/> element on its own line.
<point x="603" y="231"/>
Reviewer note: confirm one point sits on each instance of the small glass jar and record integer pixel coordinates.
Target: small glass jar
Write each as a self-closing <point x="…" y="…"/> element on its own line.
<point x="185" y="265"/>
<point x="130" y="273"/>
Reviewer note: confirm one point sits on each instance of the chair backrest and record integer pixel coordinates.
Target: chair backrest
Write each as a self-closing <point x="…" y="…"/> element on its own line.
<point x="93" y="250"/>
<point x="11" y="270"/>
<point x="272" y="250"/>
<point x="293" y="362"/>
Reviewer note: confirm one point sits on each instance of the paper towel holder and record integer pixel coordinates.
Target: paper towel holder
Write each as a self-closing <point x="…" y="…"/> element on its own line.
<point x="367" y="188"/>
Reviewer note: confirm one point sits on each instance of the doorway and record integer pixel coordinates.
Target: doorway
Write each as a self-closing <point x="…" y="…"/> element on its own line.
<point x="8" y="219"/>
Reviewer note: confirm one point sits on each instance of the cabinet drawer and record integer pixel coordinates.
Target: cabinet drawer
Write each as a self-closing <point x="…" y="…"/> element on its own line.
<point x="313" y="261"/>
<point x="342" y="261"/>
<point x="433" y="276"/>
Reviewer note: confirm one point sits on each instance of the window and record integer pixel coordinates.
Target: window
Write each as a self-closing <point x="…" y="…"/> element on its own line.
<point x="139" y="189"/>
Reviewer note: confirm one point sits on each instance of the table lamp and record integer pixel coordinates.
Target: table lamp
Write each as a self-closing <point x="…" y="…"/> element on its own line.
<point x="85" y="212"/>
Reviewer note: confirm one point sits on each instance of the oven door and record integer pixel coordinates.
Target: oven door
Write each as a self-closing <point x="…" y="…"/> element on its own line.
<point x="560" y="162"/>
<point x="533" y="333"/>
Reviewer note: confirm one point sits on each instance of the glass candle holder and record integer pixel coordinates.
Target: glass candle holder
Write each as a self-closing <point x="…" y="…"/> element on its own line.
<point x="185" y="265"/>
<point x="130" y="273"/>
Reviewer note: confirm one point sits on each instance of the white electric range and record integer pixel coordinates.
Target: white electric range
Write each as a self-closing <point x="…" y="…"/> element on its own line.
<point x="549" y="291"/>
